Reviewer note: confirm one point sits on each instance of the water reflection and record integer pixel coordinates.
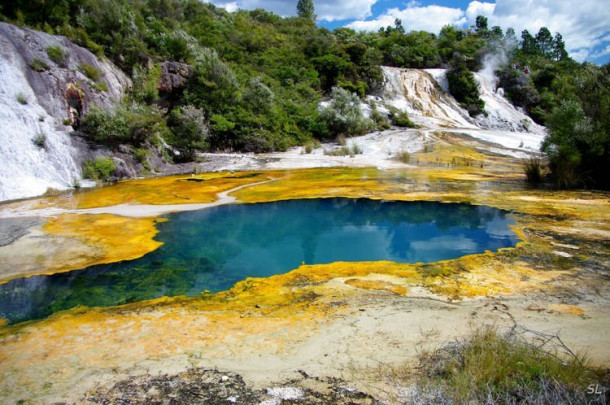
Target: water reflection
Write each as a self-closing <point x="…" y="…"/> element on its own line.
<point x="214" y="248"/>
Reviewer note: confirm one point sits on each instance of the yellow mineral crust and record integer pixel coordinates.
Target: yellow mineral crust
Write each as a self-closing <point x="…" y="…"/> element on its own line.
<point x="567" y="309"/>
<point x="184" y="189"/>
<point x="105" y="238"/>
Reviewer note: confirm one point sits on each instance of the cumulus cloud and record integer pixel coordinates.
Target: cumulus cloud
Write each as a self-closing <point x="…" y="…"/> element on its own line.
<point x="582" y="26"/>
<point x="415" y="17"/>
<point x="326" y="10"/>
<point x="477" y="8"/>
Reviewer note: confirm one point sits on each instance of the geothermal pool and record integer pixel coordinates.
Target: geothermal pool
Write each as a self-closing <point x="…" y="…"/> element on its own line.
<point x="212" y="249"/>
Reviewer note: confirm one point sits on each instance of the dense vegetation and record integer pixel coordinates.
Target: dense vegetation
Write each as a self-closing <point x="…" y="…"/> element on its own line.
<point x="257" y="78"/>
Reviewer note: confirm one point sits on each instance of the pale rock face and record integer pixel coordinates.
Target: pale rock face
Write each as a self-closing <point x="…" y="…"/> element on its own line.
<point x="34" y="105"/>
<point x="418" y="93"/>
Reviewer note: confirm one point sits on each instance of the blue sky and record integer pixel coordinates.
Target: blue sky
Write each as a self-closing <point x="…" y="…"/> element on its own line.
<point x="584" y="24"/>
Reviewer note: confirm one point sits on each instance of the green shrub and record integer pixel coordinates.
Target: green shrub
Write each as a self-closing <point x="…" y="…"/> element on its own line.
<point x="380" y="120"/>
<point x="141" y="156"/>
<point x="22" y="99"/>
<point x="91" y="72"/>
<point x="189" y="130"/>
<point x="533" y="170"/>
<point x="465" y="90"/>
<point x="343" y="115"/>
<point x="40" y="140"/>
<point x="401" y="119"/>
<point x="145" y="84"/>
<point x="99" y="169"/>
<point x="58" y="55"/>
<point x="38" y="65"/>
<point x="132" y="123"/>
<point x="576" y="147"/>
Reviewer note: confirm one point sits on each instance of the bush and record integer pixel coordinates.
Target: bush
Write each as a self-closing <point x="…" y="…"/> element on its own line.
<point x="343" y="115"/>
<point x="99" y="169"/>
<point x="576" y="149"/>
<point x="133" y="124"/>
<point x="379" y="119"/>
<point x="465" y="90"/>
<point x="401" y="119"/>
<point x="58" y="55"/>
<point x="533" y="170"/>
<point x="189" y="129"/>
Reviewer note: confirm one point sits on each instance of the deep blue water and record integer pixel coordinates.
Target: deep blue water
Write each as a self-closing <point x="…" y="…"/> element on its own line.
<point x="214" y="248"/>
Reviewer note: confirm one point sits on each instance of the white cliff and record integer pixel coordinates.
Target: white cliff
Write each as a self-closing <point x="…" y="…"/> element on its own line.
<point x="36" y="148"/>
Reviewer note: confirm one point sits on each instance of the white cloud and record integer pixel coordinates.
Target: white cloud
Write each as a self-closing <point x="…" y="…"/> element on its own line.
<point x="477" y="8"/>
<point x="414" y="17"/>
<point x="326" y="10"/>
<point x="583" y="26"/>
<point x="231" y="7"/>
<point x="331" y="10"/>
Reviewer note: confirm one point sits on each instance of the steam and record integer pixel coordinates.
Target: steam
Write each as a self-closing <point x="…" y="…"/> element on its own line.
<point x="496" y="59"/>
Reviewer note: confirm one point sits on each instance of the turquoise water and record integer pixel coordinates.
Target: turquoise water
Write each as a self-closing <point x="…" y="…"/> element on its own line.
<point x="214" y="248"/>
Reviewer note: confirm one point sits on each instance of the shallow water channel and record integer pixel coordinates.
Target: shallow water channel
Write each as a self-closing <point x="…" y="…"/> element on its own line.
<point x="212" y="249"/>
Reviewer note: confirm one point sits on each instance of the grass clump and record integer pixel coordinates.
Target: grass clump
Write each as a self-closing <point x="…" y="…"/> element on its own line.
<point x="40" y="140"/>
<point x="22" y="99"/>
<point x="350" y="151"/>
<point x="493" y="368"/>
<point x="38" y="65"/>
<point x="533" y="168"/>
<point x="91" y="72"/>
<point x="403" y="156"/>
<point x="401" y="119"/>
<point x="311" y="145"/>
<point x="99" y="169"/>
<point x="58" y="55"/>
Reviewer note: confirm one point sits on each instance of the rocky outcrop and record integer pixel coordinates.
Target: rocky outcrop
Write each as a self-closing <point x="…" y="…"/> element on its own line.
<point x="46" y="84"/>
<point x="174" y="76"/>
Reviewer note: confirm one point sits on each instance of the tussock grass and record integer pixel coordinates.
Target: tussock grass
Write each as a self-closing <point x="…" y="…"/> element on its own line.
<point x="488" y="367"/>
<point x="533" y="168"/>
<point x="403" y="156"/>
<point x="351" y="151"/>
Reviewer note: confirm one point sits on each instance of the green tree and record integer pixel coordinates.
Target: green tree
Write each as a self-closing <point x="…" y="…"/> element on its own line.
<point x="481" y="25"/>
<point x="510" y="36"/>
<point x="559" y="48"/>
<point x="528" y="43"/>
<point x="305" y="9"/>
<point x="544" y="41"/>
<point x="189" y="130"/>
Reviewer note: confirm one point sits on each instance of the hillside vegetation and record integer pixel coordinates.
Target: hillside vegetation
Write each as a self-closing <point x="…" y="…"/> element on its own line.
<point x="255" y="79"/>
